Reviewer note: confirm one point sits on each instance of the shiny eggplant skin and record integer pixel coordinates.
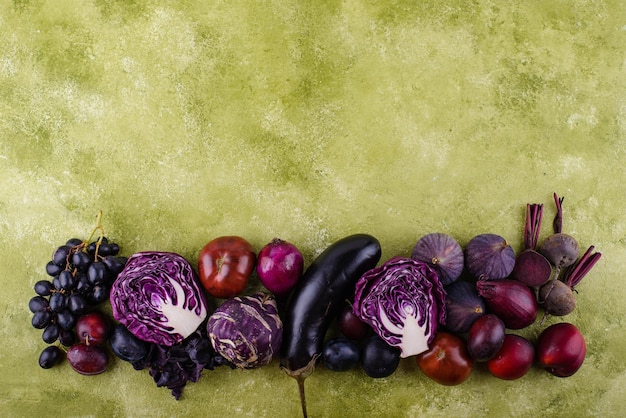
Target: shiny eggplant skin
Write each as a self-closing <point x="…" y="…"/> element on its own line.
<point x="318" y="297"/>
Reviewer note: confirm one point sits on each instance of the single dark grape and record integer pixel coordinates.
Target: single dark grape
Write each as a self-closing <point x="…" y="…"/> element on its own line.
<point x="53" y="270"/>
<point x="50" y="333"/>
<point x="114" y="249"/>
<point x="43" y="287"/>
<point x="67" y="337"/>
<point x="81" y="260"/>
<point x="77" y="304"/>
<point x="38" y="303"/>
<point x="67" y="280"/>
<point x="104" y="250"/>
<point x="56" y="283"/>
<point x="50" y="357"/>
<point x="126" y="346"/>
<point x="341" y="354"/>
<point x="41" y="319"/>
<point x="97" y="273"/>
<point x="74" y="242"/>
<point x="57" y="301"/>
<point x="83" y="287"/>
<point x="66" y="319"/>
<point x="61" y="255"/>
<point x="114" y="264"/>
<point x="98" y="294"/>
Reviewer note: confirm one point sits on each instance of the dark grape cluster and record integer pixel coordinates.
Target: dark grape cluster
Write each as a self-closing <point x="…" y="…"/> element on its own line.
<point x="170" y="367"/>
<point x="81" y="276"/>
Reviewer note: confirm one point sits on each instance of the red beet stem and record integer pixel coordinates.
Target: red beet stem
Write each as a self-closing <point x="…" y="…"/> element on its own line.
<point x="534" y="215"/>
<point x="579" y="270"/>
<point x="558" y="219"/>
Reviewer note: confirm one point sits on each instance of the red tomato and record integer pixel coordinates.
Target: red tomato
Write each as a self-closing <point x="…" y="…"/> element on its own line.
<point x="446" y="361"/>
<point x="514" y="359"/>
<point x="225" y="265"/>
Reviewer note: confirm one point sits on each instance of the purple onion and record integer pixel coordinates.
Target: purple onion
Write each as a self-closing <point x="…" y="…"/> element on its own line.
<point x="463" y="306"/>
<point x="246" y="330"/>
<point x="279" y="266"/>
<point x="510" y="300"/>
<point x="489" y="256"/>
<point x="441" y="252"/>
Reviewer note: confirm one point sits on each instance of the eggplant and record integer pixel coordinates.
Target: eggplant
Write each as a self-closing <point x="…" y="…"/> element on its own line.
<point x="317" y="300"/>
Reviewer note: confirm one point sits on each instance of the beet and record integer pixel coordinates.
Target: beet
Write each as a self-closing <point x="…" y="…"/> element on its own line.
<point x="531" y="268"/>
<point x="557" y="298"/>
<point x="560" y="249"/>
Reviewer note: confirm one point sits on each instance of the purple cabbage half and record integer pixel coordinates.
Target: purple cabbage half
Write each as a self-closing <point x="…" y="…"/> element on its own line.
<point x="157" y="297"/>
<point x="403" y="300"/>
<point x="246" y="330"/>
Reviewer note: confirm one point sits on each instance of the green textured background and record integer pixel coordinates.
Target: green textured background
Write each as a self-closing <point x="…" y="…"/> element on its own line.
<point x="184" y="121"/>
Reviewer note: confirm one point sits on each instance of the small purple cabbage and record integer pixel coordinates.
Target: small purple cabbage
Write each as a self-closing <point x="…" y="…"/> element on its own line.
<point x="246" y="330"/>
<point x="403" y="300"/>
<point x="158" y="298"/>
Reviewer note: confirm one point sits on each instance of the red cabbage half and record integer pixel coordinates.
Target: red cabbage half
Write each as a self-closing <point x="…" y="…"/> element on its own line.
<point x="158" y="298"/>
<point x="403" y="300"/>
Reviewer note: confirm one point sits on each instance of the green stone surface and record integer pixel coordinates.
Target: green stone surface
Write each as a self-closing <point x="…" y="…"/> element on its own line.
<point x="184" y="121"/>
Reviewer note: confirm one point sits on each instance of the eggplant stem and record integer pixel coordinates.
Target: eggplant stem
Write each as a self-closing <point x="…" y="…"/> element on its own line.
<point x="300" y="375"/>
<point x="300" y="380"/>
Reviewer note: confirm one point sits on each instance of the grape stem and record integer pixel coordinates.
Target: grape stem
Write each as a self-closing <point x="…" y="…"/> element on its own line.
<point x="97" y="228"/>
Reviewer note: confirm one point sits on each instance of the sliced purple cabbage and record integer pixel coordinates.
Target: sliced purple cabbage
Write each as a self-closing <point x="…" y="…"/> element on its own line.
<point x="246" y="330"/>
<point x="403" y="300"/>
<point x="158" y="298"/>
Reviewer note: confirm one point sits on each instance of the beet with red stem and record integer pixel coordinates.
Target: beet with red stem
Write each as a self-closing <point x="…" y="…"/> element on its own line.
<point x="560" y="249"/>
<point x="532" y="268"/>
<point x="557" y="296"/>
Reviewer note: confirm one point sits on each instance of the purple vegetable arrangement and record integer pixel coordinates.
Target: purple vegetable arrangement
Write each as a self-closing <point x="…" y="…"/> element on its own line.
<point x="451" y="308"/>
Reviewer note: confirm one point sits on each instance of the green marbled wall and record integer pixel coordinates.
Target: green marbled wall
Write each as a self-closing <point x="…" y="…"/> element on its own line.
<point x="183" y="121"/>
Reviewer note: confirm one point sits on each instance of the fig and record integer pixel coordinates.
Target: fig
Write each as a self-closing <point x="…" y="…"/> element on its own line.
<point x="489" y="256"/>
<point x="463" y="306"/>
<point x="441" y="252"/>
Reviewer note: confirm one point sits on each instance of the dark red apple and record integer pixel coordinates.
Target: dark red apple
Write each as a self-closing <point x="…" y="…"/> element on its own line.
<point x="561" y="349"/>
<point x="92" y="328"/>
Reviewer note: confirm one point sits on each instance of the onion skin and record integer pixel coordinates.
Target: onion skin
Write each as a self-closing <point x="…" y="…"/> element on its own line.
<point x="489" y="256"/>
<point x="510" y="300"/>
